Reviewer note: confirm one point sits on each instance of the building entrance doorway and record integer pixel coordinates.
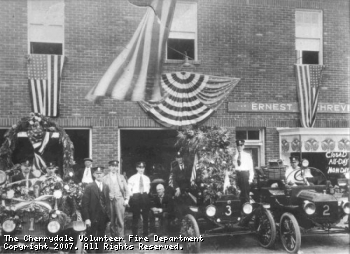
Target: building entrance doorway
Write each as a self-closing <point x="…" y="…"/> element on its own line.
<point x="155" y="147"/>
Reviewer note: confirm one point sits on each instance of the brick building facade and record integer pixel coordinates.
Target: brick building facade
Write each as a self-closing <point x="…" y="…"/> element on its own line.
<point x="253" y="40"/>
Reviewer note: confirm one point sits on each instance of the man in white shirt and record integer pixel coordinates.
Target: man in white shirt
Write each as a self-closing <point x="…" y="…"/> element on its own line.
<point x="86" y="173"/>
<point x="139" y="186"/>
<point x="294" y="166"/>
<point x="244" y="168"/>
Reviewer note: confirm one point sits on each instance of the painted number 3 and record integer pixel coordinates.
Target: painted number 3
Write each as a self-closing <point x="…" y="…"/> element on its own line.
<point x="326" y="210"/>
<point x="229" y="211"/>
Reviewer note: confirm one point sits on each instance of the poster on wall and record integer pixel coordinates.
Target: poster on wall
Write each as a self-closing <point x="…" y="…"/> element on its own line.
<point x="338" y="162"/>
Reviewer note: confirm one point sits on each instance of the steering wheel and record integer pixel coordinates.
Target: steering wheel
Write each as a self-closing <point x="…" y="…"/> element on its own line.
<point x="299" y="175"/>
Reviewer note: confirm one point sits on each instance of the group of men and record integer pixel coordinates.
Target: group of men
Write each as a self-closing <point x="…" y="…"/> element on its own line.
<point x="107" y="193"/>
<point x="106" y="197"/>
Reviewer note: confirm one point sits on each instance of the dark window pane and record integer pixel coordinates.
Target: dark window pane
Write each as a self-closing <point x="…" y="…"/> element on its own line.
<point x="241" y="134"/>
<point x="253" y="135"/>
<point x="46" y="48"/>
<point x="180" y="45"/>
<point x="310" y="57"/>
<point x="80" y="139"/>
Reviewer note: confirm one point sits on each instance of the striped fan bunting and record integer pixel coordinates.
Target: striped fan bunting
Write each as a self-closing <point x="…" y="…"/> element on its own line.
<point x="190" y="98"/>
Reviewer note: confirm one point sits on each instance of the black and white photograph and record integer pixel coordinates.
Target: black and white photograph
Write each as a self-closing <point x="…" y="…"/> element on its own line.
<point x="175" y="126"/>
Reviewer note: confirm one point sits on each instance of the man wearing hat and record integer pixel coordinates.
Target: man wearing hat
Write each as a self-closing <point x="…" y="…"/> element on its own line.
<point x="26" y="172"/>
<point x="180" y="175"/>
<point x="85" y="175"/>
<point x="139" y="186"/>
<point x="244" y="168"/>
<point x="118" y="197"/>
<point x="180" y="181"/>
<point x="95" y="203"/>
<point x="294" y="166"/>
<point x="50" y="173"/>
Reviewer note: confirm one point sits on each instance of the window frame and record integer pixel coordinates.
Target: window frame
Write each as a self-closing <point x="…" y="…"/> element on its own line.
<point x="46" y="38"/>
<point x="299" y="53"/>
<point x="257" y="143"/>
<point x="195" y="3"/>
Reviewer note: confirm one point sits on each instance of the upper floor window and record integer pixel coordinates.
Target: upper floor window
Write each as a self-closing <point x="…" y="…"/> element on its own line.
<point x="183" y="33"/>
<point x="308" y="36"/>
<point x="46" y="26"/>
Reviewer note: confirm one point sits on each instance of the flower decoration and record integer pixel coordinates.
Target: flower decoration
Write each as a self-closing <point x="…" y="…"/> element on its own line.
<point x="36" y="125"/>
<point x="211" y="144"/>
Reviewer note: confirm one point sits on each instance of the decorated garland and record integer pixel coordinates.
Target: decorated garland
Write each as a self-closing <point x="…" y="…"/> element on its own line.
<point x="214" y="173"/>
<point x="37" y="128"/>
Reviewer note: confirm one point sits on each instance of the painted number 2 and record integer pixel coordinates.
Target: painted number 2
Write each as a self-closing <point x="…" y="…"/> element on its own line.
<point x="326" y="210"/>
<point x="229" y="211"/>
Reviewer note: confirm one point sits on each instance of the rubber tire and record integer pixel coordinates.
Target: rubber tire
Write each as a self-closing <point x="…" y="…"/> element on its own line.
<point x="194" y="225"/>
<point x="297" y="233"/>
<point x="273" y="234"/>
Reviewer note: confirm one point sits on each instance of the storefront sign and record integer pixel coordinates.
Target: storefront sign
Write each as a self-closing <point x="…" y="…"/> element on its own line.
<point x="338" y="162"/>
<point x="284" y="107"/>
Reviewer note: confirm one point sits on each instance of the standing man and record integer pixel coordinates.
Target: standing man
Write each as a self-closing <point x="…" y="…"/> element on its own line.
<point x="95" y="205"/>
<point x="139" y="186"/>
<point x="118" y="196"/>
<point x="85" y="175"/>
<point x="243" y="163"/>
<point x="161" y="207"/>
<point x="180" y="181"/>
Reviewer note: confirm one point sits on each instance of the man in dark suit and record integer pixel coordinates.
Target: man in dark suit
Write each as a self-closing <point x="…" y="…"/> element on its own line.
<point x="180" y="181"/>
<point x="161" y="206"/>
<point x="95" y="205"/>
<point x="85" y="175"/>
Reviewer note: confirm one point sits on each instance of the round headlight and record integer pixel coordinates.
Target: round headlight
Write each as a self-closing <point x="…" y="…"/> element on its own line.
<point x="53" y="226"/>
<point x="305" y="163"/>
<point x="57" y="194"/>
<point x="309" y="207"/>
<point x="346" y="207"/>
<point x="3" y="177"/>
<point x="247" y="208"/>
<point x="8" y="226"/>
<point x="211" y="210"/>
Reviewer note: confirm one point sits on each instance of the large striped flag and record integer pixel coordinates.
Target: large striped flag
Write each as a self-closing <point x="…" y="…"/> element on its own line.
<point x="308" y="84"/>
<point x="44" y="79"/>
<point x="135" y="74"/>
<point x="190" y="98"/>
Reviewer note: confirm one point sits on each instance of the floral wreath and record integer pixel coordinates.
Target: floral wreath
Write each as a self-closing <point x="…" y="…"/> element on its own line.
<point x="38" y="128"/>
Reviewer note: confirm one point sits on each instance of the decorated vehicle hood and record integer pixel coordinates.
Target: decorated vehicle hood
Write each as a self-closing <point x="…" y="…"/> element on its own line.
<point x="314" y="196"/>
<point x="31" y="204"/>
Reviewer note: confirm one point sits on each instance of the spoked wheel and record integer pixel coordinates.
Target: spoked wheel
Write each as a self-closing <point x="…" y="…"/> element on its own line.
<point x="290" y="233"/>
<point x="265" y="227"/>
<point x="189" y="228"/>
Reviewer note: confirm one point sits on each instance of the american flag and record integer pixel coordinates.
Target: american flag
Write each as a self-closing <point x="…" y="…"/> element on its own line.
<point x="44" y="79"/>
<point x="308" y="84"/>
<point x="135" y="74"/>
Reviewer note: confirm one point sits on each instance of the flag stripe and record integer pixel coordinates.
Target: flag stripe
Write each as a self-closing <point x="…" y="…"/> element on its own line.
<point x="186" y="101"/>
<point x="135" y="74"/>
<point x="308" y="83"/>
<point x="44" y="79"/>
